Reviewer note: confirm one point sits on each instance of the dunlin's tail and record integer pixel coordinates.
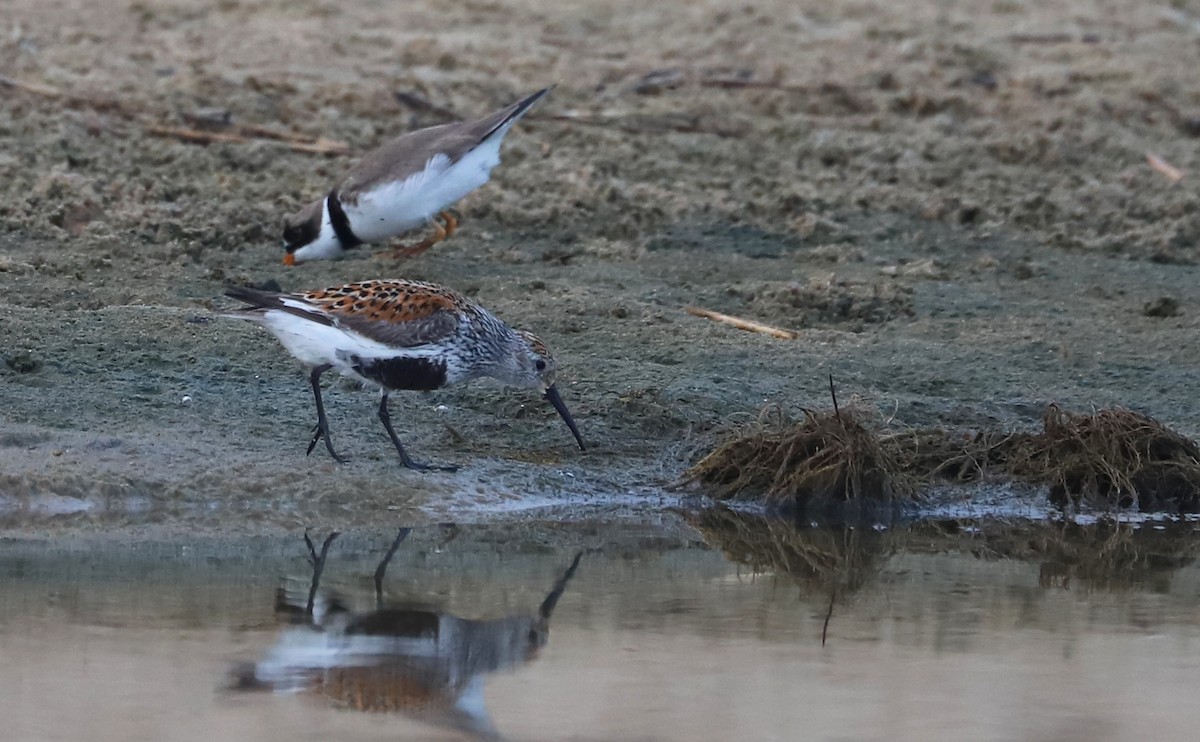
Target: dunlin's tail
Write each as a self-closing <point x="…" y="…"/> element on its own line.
<point x="261" y="301"/>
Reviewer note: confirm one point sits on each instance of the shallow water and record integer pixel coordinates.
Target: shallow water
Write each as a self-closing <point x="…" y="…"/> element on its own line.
<point x="942" y="631"/>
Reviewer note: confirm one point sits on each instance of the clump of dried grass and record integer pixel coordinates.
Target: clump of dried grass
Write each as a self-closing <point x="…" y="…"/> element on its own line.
<point x="827" y="458"/>
<point x="1105" y="555"/>
<point x="1113" y="458"/>
<point x="838" y="561"/>
<point x="929" y="454"/>
<point x="1112" y="556"/>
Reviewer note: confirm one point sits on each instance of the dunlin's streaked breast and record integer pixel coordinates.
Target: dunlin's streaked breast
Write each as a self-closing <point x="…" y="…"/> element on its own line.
<point x="396" y="335"/>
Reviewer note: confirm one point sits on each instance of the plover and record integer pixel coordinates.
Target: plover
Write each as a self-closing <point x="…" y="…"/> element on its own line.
<point x="402" y="658"/>
<point x="400" y="335"/>
<point x="402" y="185"/>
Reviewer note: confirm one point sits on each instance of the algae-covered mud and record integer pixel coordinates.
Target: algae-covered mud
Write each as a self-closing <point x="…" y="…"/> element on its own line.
<point x="952" y="204"/>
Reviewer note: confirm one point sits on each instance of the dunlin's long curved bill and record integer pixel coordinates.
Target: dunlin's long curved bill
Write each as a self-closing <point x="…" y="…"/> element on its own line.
<point x="399" y="335"/>
<point x="554" y="398"/>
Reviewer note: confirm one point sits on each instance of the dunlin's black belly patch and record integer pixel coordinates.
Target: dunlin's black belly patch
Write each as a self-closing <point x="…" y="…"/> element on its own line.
<point x="416" y="374"/>
<point x="396" y="622"/>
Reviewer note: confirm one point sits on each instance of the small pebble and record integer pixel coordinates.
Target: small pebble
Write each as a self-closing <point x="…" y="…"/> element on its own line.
<point x="22" y="362"/>
<point x="1163" y="306"/>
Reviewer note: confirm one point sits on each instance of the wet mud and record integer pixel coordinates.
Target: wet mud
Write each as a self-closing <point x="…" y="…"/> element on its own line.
<point x="952" y="205"/>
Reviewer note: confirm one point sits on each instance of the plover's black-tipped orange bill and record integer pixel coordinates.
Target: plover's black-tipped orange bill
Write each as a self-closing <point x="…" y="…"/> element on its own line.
<point x="554" y="398"/>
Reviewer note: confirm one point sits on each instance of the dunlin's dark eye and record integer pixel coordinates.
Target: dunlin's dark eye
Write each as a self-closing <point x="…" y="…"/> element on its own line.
<point x="540" y="365"/>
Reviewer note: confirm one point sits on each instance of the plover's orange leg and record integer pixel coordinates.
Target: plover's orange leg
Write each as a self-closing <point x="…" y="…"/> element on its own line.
<point x="452" y="218"/>
<point x="322" y="428"/>
<point x="439" y="233"/>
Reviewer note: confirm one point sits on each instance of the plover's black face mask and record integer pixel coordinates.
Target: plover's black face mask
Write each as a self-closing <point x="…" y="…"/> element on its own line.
<point x="296" y="236"/>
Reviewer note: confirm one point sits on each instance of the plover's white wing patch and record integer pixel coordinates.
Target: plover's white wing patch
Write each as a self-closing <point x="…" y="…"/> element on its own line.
<point x="395" y="206"/>
<point x="398" y="206"/>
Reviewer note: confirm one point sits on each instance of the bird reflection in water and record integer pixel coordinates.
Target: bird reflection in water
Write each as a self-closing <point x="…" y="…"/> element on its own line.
<point x="425" y="663"/>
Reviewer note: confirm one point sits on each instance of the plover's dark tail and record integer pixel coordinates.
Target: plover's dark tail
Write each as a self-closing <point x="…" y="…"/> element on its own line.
<point x="500" y="121"/>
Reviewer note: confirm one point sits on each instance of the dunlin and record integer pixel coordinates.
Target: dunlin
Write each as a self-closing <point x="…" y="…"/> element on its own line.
<point x="398" y="334"/>
<point x="423" y="662"/>
<point x="402" y="185"/>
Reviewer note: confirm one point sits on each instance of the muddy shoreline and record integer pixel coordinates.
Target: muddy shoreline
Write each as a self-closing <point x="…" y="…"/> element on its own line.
<point x="960" y="223"/>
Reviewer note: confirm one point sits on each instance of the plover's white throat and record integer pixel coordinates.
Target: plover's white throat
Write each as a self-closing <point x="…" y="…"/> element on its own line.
<point x="402" y="185"/>
<point x="399" y="334"/>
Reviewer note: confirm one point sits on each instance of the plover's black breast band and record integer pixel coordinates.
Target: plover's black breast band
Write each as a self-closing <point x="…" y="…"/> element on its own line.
<point x="395" y="374"/>
<point x="340" y="222"/>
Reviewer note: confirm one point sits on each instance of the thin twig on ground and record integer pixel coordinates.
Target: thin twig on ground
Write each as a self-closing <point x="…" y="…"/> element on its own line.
<point x="741" y="324"/>
<point x="242" y="134"/>
<point x="635" y="125"/>
<point x="46" y="91"/>
<point x="194" y="136"/>
<point x="420" y="103"/>
<point x="49" y="91"/>
<point x="1169" y="171"/>
<point x="730" y="83"/>
<point x="199" y="136"/>
<point x="1041" y="38"/>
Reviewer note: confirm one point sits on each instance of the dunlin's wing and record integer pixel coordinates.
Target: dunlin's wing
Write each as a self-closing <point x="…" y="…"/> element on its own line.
<point x="261" y="301"/>
<point x="409" y="154"/>
<point x="402" y="314"/>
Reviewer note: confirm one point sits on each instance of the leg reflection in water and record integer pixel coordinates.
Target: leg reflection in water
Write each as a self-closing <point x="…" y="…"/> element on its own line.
<point x="428" y="664"/>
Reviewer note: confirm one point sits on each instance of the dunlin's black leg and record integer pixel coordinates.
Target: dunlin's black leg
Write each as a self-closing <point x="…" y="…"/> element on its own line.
<point x="381" y="570"/>
<point x="556" y="593"/>
<point x="322" y="429"/>
<point x="318" y="565"/>
<point x="386" y="419"/>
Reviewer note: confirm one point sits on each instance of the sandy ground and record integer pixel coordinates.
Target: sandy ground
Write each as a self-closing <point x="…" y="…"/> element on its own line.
<point x="950" y="201"/>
